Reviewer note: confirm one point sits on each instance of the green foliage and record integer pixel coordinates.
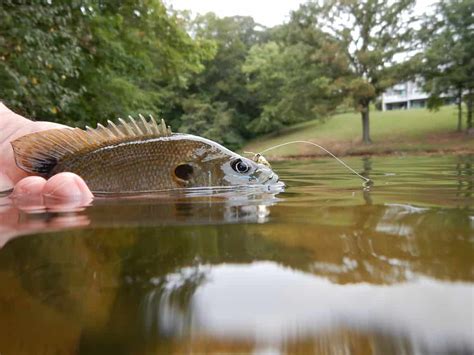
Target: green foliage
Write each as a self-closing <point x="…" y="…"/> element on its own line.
<point x="371" y="33"/>
<point x="229" y="79"/>
<point x="85" y="61"/>
<point x="40" y="56"/>
<point x="263" y="67"/>
<point x="297" y="77"/>
<point x="221" y="88"/>
<point x="447" y="64"/>
<point x="211" y="120"/>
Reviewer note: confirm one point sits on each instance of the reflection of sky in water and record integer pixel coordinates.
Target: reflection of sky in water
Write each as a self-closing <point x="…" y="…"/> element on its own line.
<point x="391" y="223"/>
<point x="271" y="304"/>
<point x="162" y="313"/>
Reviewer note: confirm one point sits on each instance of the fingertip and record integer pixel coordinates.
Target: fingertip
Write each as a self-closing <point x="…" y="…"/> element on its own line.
<point x="30" y="185"/>
<point x="67" y="186"/>
<point x="81" y="184"/>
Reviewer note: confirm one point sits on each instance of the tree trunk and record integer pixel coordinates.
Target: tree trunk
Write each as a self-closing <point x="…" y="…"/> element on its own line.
<point x="365" y="124"/>
<point x="469" y="103"/>
<point x="459" y="99"/>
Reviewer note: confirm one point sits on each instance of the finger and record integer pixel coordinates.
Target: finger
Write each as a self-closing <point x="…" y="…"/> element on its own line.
<point x="28" y="194"/>
<point x="67" y="186"/>
<point x="31" y="185"/>
<point x="6" y="184"/>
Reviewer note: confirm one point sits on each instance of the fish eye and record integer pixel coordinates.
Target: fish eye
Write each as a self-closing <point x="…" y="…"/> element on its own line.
<point x="183" y="172"/>
<point x="240" y="166"/>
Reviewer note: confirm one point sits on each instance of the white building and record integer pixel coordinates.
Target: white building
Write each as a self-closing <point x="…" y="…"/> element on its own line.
<point x="404" y="96"/>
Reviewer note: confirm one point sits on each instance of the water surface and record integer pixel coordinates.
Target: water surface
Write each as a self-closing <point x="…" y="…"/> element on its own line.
<point x="324" y="267"/>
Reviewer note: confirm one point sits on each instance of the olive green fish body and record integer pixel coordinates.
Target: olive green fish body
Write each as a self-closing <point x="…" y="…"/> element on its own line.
<point x="137" y="157"/>
<point x="143" y="165"/>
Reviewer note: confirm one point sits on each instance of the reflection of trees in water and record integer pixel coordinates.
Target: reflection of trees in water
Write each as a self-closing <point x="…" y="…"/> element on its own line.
<point x="465" y="177"/>
<point x="367" y="165"/>
<point x="380" y="244"/>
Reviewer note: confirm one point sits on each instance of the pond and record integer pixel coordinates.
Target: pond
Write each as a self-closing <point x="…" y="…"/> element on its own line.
<point x="324" y="267"/>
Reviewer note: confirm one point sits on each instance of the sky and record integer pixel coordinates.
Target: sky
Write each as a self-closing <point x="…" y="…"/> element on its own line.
<point x="266" y="12"/>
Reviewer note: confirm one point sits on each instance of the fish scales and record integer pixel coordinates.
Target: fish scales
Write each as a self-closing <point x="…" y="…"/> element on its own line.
<point x="134" y="166"/>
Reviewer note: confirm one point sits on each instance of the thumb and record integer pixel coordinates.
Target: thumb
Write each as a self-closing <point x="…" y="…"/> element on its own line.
<point x="6" y="184"/>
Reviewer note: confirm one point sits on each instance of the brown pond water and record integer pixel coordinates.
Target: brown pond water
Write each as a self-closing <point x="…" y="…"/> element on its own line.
<point x="325" y="267"/>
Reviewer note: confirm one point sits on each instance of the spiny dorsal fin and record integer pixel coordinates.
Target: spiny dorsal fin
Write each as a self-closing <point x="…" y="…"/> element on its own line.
<point x="154" y="125"/>
<point x="40" y="152"/>
<point x="135" y="126"/>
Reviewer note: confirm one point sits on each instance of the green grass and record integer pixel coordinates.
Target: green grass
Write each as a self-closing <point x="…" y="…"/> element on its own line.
<point x="413" y="130"/>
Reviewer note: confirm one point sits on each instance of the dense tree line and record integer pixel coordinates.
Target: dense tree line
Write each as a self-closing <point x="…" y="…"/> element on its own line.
<point x="230" y="79"/>
<point x="86" y="61"/>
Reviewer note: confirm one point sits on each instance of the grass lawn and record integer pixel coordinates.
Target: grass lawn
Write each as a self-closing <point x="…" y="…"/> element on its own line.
<point x="398" y="131"/>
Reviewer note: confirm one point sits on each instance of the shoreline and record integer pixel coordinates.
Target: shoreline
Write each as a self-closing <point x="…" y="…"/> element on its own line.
<point x="400" y="153"/>
<point x="452" y="143"/>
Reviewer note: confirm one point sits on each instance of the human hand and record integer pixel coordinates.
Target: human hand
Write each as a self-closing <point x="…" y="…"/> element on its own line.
<point x="65" y="186"/>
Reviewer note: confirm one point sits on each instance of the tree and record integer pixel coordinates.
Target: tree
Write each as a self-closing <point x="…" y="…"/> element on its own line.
<point x="83" y="62"/>
<point x="140" y="59"/>
<point x="448" y="59"/>
<point x="219" y="92"/>
<point x="264" y="69"/>
<point x="298" y="75"/>
<point x="40" y="56"/>
<point x="211" y="120"/>
<point x="372" y="33"/>
<point x="294" y="81"/>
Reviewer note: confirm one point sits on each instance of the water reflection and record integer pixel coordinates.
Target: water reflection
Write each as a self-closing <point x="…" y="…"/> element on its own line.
<point x="268" y="304"/>
<point x="318" y="269"/>
<point x="166" y="307"/>
<point x="33" y="214"/>
<point x="18" y="217"/>
<point x="367" y="165"/>
<point x="465" y="178"/>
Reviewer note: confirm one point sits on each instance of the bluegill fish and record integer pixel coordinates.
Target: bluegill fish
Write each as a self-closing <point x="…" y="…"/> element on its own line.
<point x="136" y="156"/>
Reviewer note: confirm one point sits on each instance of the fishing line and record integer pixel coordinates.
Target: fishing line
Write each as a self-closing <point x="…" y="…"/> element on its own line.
<point x="367" y="181"/>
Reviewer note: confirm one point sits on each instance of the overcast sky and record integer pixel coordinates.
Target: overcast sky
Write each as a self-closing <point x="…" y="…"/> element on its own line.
<point x="266" y="12"/>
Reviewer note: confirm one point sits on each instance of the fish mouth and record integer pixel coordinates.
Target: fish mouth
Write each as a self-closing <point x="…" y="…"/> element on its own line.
<point x="272" y="179"/>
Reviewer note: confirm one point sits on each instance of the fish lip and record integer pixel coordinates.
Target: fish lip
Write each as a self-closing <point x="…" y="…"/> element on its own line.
<point x="271" y="180"/>
<point x="267" y="179"/>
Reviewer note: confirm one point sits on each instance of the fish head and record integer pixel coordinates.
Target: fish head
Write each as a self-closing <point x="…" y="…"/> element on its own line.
<point x="238" y="170"/>
<point x="214" y="165"/>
